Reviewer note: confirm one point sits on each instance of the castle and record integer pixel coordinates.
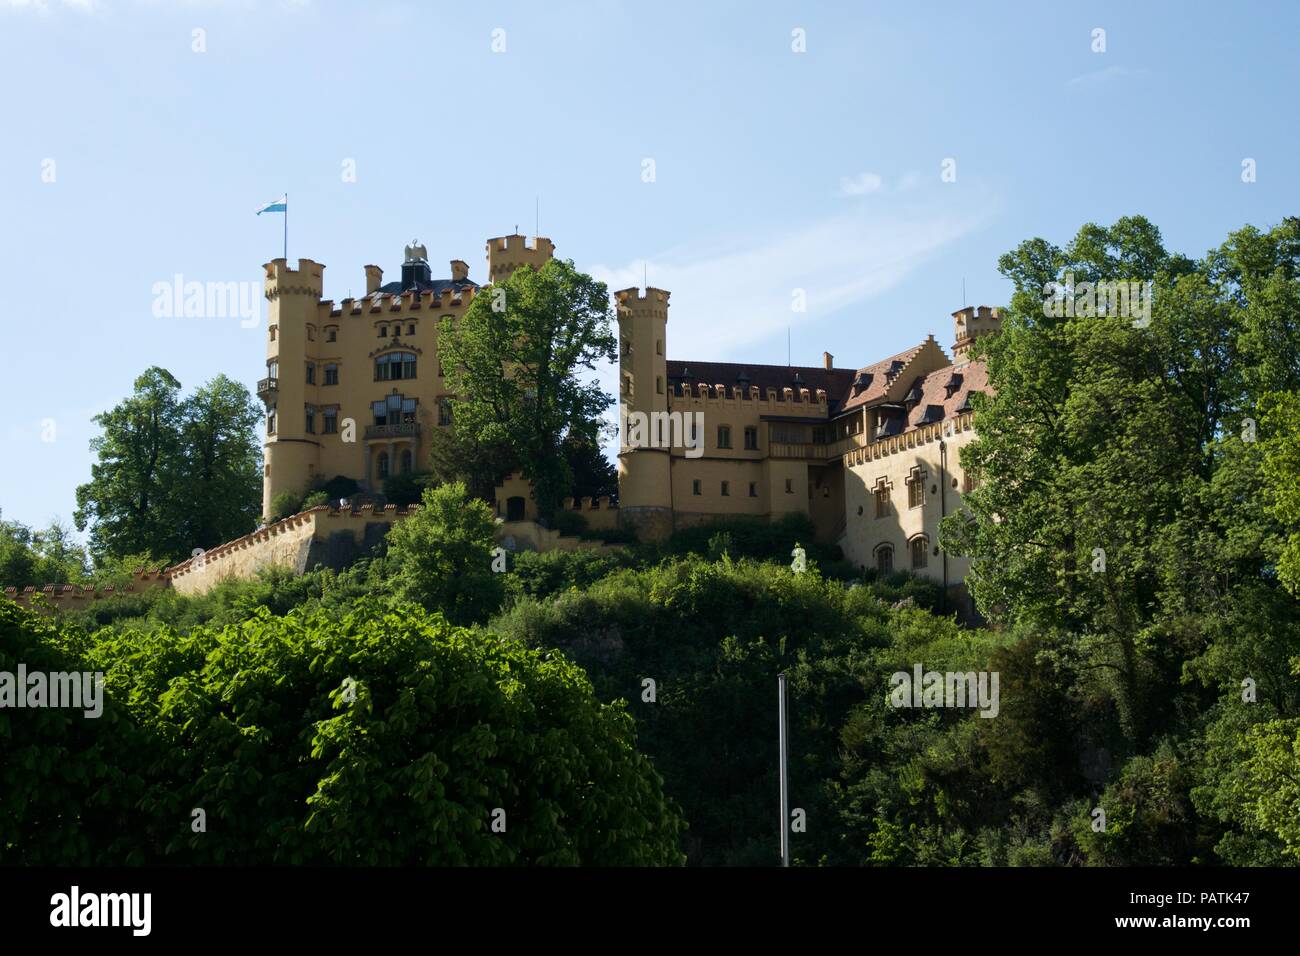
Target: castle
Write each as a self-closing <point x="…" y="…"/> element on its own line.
<point x="870" y="454"/>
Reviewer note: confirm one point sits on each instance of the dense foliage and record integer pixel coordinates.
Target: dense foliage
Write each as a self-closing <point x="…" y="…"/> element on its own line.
<point x="516" y="361"/>
<point x="173" y="474"/>
<point x="1135" y="532"/>
<point x="377" y="736"/>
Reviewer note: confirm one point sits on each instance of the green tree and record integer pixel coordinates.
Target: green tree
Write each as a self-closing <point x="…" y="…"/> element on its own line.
<point x="222" y="468"/>
<point x="130" y="503"/>
<point x="172" y="475"/>
<point x="515" y="361"/>
<point x="443" y="555"/>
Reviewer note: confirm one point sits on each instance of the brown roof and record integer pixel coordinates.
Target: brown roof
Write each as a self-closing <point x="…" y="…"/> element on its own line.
<point x="878" y="377"/>
<point x="939" y="401"/>
<point x="942" y="393"/>
<point x="835" y="381"/>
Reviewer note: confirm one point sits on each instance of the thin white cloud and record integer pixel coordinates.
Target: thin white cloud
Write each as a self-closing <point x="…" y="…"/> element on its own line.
<point x="44" y="6"/>
<point x="731" y="293"/>
<point x="1102" y="77"/>
<point x="861" y="185"/>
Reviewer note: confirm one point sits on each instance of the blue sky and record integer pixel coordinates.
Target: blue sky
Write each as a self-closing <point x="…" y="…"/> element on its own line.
<point x="774" y="170"/>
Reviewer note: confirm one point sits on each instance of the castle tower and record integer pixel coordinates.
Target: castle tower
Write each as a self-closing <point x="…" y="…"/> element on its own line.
<point x="505" y="254"/>
<point x="291" y="454"/>
<point x="969" y="324"/>
<point x="644" y="474"/>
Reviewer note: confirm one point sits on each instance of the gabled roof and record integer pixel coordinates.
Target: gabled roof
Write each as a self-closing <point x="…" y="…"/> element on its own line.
<point x="936" y="404"/>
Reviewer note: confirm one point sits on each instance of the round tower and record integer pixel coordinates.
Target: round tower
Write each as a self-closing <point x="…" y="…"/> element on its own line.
<point x="645" y="499"/>
<point x="291" y="454"/>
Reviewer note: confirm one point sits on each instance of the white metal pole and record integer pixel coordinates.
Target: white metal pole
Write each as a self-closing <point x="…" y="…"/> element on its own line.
<point x="785" y="794"/>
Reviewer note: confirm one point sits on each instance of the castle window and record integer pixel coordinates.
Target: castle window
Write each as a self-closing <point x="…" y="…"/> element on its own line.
<point x="311" y="333"/>
<point x="383" y="331"/>
<point x="751" y="439"/>
<point x="410" y="328"/>
<point x="695" y="487"/>
<point x="726" y="489"/>
<point x="332" y="334"/>
<point x="394" y="366"/>
<point x="270" y="420"/>
<point x="920" y="546"/>
<point x="882" y="499"/>
<point x="383" y="464"/>
<point x="885" y="559"/>
<point x="406" y="461"/>
<point x="724" y="436"/>
<point x="331" y="421"/>
<point x="331" y="374"/>
<point x="311" y="419"/>
<point x="789" y="486"/>
<point x="271" y="330"/>
<point x="273" y="369"/>
<point x="659" y="384"/>
<point x="394" y="410"/>
<point x="444" y="411"/>
<point x="311" y="373"/>
<point x="659" y="346"/>
<point x="753" y="489"/>
<point x="916" y="489"/>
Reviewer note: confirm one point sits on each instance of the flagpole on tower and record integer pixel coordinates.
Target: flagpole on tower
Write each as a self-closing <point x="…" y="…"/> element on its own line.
<point x="286" y="229"/>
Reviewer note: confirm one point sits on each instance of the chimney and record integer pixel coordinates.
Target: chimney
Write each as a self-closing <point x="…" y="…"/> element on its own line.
<point x="374" y="278"/>
<point x="459" y="270"/>
<point x="828" y="360"/>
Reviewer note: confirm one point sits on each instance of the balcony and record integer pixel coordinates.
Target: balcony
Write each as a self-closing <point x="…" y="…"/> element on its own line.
<point x="267" y="389"/>
<point x="786" y="449"/>
<point x="399" y="430"/>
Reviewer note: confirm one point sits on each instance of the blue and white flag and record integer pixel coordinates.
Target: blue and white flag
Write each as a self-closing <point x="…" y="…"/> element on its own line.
<point x="276" y="205"/>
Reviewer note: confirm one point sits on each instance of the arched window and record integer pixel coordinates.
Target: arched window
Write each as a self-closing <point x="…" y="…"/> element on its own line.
<point x="406" y="461"/>
<point x="393" y="366"/>
<point x="383" y="465"/>
<point x="885" y="559"/>
<point x="920" y="546"/>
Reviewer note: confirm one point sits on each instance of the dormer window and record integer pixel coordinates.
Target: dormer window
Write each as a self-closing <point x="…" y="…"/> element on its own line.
<point x="954" y="383"/>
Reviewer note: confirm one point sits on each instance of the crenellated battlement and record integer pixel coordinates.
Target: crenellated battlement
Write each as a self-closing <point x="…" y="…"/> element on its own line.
<point x="515" y="243"/>
<point x="772" y="400"/>
<point x="73" y="596"/>
<point x="408" y="301"/>
<point x="886" y="447"/>
<point x="636" y="301"/>
<point x="307" y="279"/>
<point x="590" y="504"/>
<point x="335" y="519"/>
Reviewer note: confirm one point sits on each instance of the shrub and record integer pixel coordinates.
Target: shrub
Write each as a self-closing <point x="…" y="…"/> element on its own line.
<point x="284" y="504"/>
<point x="442" y="555"/>
<point x="375" y="736"/>
<point x="569" y="522"/>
